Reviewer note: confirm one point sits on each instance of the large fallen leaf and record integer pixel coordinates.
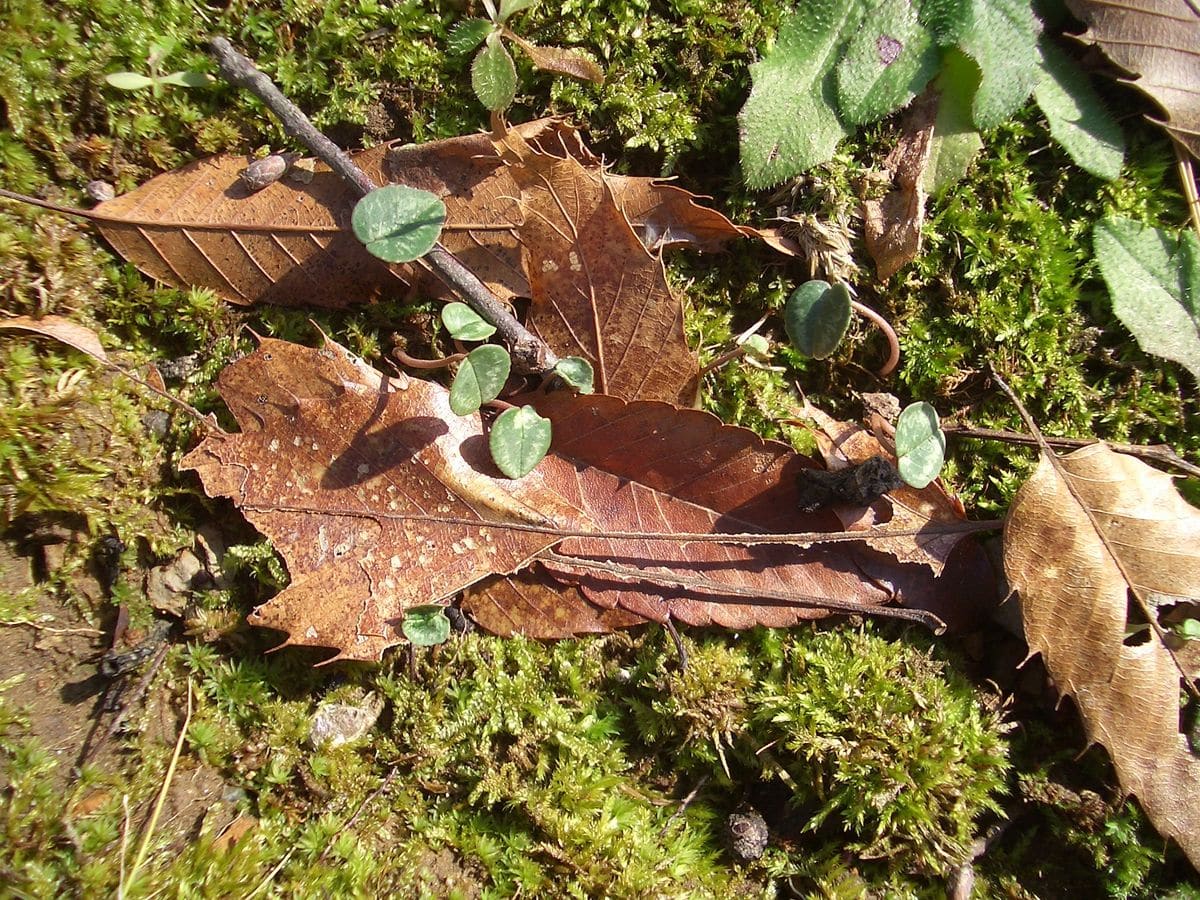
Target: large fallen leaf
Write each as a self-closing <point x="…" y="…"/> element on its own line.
<point x="1081" y="533"/>
<point x="1158" y="42"/>
<point x="597" y="291"/>
<point x="380" y="499"/>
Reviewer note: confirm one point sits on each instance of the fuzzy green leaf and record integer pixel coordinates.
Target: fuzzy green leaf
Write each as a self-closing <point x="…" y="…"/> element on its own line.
<point x="186" y="79"/>
<point x="888" y="61"/>
<point x="466" y="35"/>
<point x="398" y="223"/>
<point x="480" y="378"/>
<point x="425" y="626"/>
<point x="493" y="75"/>
<point x="955" y="140"/>
<point x="577" y="373"/>
<point x="128" y="81"/>
<point x="920" y="444"/>
<point x="512" y="7"/>
<point x="1153" y="277"/>
<point x="788" y="123"/>
<point x="1001" y="36"/>
<point x="518" y="440"/>
<point x="1078" y="118"/>
<point x="816" y="317"/>
<point x="464" y="324"/>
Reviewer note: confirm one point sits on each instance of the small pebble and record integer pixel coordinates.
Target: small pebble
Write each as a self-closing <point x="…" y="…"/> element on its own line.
<point x="335" y="724"/>
<point x="100" y="191"/>
<point x="747" y="833"/>
<point x="265" y="171"/>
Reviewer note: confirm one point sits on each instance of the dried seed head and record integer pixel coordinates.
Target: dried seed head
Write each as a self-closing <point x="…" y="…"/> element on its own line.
<point x="265" y="171"/>
<point x="100" y="191"/>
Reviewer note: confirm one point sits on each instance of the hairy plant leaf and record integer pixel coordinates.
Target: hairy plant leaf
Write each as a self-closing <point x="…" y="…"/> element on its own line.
<point x="788" y="123"/>
<point x="426" y="626"/>
<point x="560" y="61"/>
<point x="519" y="439"/>
<point x="956" y="140"/>
<point x="480" y="378"/>
<point x="1158" y="41"/>
<point x="1153" y="277"/>
<point x="466" y="35"/>
<point x="577" y="372"/>
<point x="464" y="324"/>
<point x="1078" y="119"/>
<point x="493" y="75"/>
<point x="1001" y="36"/>
<point x="1081" y="533"/>
<point x="398" y="223"/>
<point x="888" y="61"/>
<point x="816" y="317"/>
<point x="920" y="444"/>
<point x="380" y="499"/>
<point x="597" y="292"/>
<point x="128" y="81"/>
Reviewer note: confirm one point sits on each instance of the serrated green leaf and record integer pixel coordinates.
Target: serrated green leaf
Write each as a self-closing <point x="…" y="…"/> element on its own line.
<point x="519" y="440"/>
<point x="1153" y="277"/>
<point x="577" y="373"/>
<point x="955" y="140"/>
<point x="479" y="379"/>
<point x="466" y="35"/>
<point x="920" y="444"/>
<point x="788" y="123"/>
<point x="398" y="223"/>
<point x="186" y="79"/>
<point x="425" y="626"/>
<point x="464" y="324"/>
<point x="512" y="7"/>
<point x="1001" y="36"/>
<point x="1077" y="116"/>
<point x="493" y="75"/>
<point x="816" y="317"/>
<point x="888" y="61"/>
<point x="128" y="81"/>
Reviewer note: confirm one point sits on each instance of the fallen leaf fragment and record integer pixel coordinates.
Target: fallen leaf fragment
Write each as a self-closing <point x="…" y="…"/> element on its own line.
<point x="1158" y="42"/>
<point x="70" y="333"/>
<point x="1081" y="533"/>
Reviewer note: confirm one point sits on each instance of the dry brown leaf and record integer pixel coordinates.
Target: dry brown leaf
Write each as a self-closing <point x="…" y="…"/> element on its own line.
<point x="1082" y="532"/>
<point x="1158" y="42"/>
<point x="893" y="225"/>
<point x="80" y="337"/>
<point x="380" y="499"/>
<point x="597" y="292"/>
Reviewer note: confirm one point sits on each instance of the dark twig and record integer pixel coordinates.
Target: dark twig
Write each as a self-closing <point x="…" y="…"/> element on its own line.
<point x="669" y="624"/>
<point x="1160" y="453"/>
<point x="530" y="354"/>
<point x="684" y="804"/>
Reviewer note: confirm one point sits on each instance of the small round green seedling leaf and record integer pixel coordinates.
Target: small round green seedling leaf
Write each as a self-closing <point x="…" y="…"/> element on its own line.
<point x="425" y="626"/>
<point x="1189" y="629"/>
<point x="920" y="444"/>
<point x="577" y="373"/>
<point x="464" y="324"/>
<point x="128" y="81"/>
<point x="519" y="439"/>
<point x="397" y="223"/>
<point x="493" y="75"/>
<point x="479" y="379"/>
<point x="758" y="348"/>
<point x="816" y="317"/>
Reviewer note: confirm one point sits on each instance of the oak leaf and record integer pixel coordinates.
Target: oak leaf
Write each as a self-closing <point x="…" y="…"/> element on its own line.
<point x="1158" y="42"/>
<point x="1083" y="533"/>
<point x="380" y="499"/>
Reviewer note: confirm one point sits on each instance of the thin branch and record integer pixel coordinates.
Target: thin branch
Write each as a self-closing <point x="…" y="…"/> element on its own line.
<point x="1159" y="453"/>
<point x="800" y="539"/>
<point x="889" y="365"/>
<point x="530" y="354"/>
<point x="358" y="812"/>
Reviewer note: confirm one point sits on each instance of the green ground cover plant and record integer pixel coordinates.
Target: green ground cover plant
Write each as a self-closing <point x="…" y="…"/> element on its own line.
<point x="511" y="766"/>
